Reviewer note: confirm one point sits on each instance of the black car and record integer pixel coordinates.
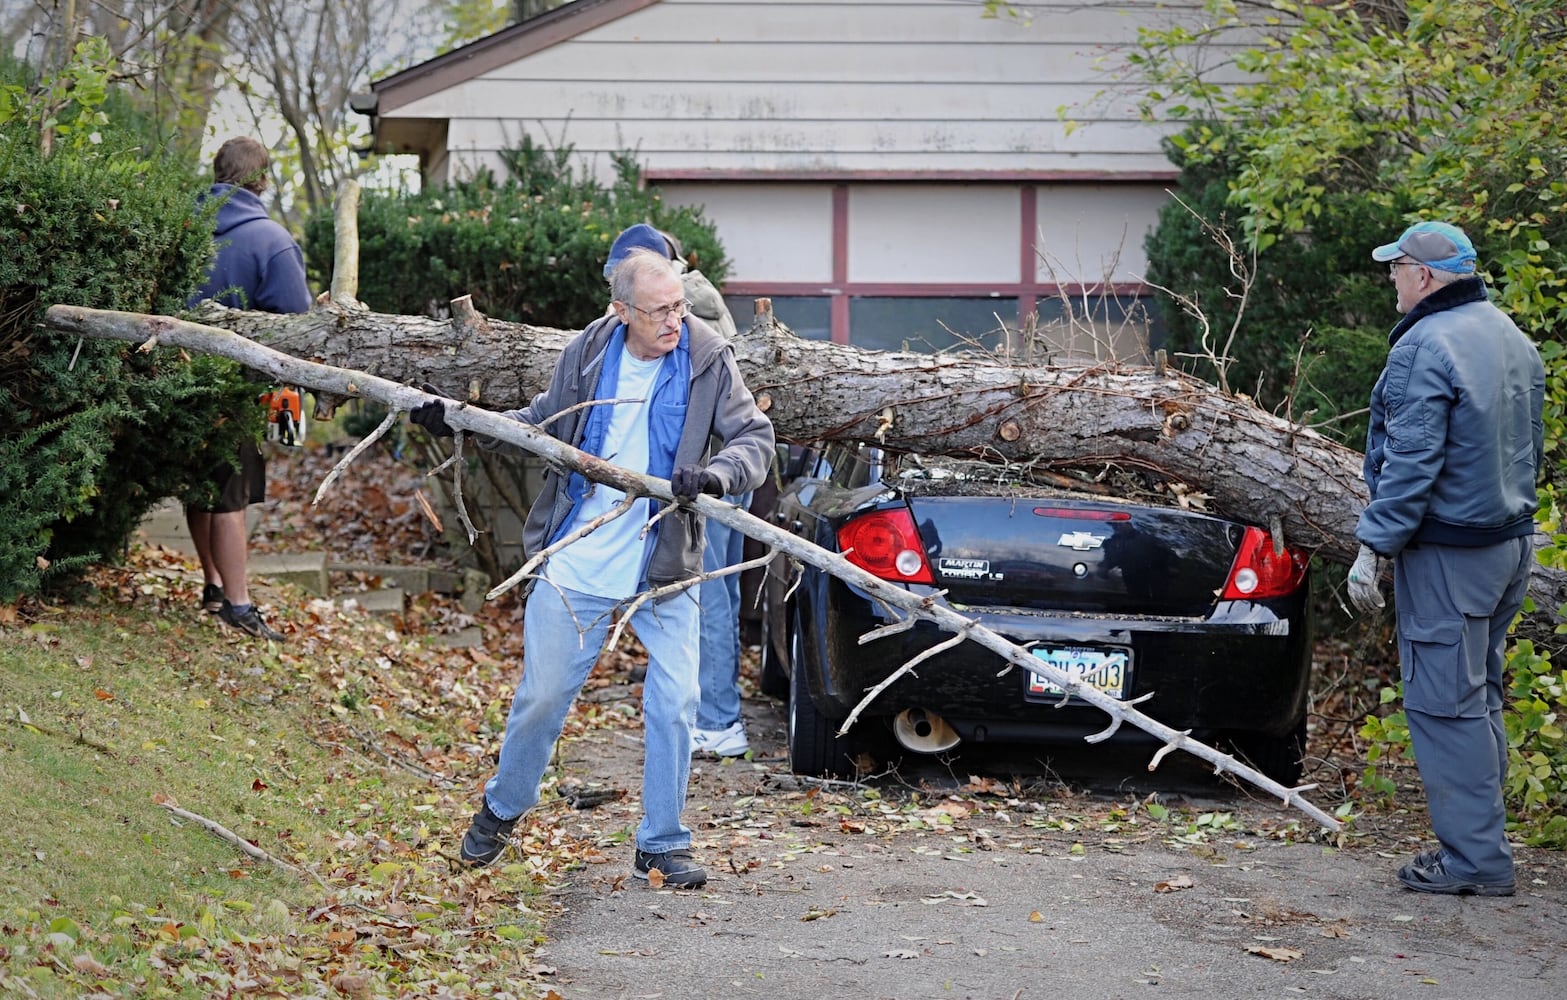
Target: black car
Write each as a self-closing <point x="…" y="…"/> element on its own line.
<point x="1145" y="595"/>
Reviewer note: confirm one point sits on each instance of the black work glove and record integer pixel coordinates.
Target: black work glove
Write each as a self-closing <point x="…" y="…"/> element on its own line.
<point x="432" y="415"/>
<point x="689" y="480"/>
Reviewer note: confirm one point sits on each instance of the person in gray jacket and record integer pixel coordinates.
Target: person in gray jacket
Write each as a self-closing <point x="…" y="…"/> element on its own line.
<point x="674" y="387"/>
<point x="1453" y="453"/>
<point x="719" y="731"/>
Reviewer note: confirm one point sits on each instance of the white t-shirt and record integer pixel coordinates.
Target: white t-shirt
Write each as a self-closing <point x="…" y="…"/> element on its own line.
<point x="608" y="561"/>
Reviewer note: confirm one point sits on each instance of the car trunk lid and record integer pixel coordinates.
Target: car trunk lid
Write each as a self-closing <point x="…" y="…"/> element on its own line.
<point x="1071" y="554"/>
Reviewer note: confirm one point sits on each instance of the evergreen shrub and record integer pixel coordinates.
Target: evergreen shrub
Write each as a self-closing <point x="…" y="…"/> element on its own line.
<point x="529" y="248"/>
<point x="97" y="433"/>
<point x="1312" y="295"/>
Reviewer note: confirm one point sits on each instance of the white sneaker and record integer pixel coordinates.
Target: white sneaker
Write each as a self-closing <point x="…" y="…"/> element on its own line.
<point x="729" y="742"/>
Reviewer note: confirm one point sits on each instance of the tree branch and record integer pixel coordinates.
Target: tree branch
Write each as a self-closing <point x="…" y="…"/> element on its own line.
<point x="192" y="336"/>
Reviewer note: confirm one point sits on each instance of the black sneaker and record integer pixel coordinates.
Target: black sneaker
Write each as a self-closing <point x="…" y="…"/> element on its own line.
<point x="1433" y="876"/>
<point x="211" y="598"/>
<point x="676" y="867"/>
<point x="486" y="838"/>
<point x="250" y="622"/>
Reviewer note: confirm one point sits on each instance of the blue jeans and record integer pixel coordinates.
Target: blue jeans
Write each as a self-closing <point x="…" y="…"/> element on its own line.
<point x="720" y="599"/>
<point x="556" y="662"/>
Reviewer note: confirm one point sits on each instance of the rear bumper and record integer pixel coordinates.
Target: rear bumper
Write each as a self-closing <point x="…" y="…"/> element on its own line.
<point x="1244" y="669"/>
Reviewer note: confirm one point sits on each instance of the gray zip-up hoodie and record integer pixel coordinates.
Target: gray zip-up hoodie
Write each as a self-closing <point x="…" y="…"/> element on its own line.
<point x="1456" y="439"/>
<point x="720" y="406"/>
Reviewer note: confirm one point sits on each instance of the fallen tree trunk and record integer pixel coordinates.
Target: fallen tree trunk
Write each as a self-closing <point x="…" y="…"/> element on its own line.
<point x="151" y="331"/>
<point x="1218" y="452"/>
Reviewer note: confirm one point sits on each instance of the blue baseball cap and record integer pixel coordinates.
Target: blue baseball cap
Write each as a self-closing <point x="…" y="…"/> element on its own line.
<point x="1437" y="245"/>
<point x="640" y="236"/>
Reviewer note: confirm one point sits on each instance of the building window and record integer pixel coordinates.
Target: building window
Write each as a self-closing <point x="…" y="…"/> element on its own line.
<point x="1095" y="327"/>
<point x="925" y="324"/>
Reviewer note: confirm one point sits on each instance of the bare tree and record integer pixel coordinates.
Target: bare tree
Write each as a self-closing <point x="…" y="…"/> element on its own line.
<point x="168" y="52"/>
<point x="290" y="61"/>
<point x="190" y="43"/>
<point x="300" y="61"/>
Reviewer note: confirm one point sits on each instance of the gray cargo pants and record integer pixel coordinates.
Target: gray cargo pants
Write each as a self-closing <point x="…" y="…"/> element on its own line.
<point x="1454" y="609"/>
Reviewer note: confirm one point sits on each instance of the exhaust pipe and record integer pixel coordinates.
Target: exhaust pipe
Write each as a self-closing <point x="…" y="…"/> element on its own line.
<point x="924" y="732"/>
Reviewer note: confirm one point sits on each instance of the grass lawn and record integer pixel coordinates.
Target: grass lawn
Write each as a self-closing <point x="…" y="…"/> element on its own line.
<point x="334" y="755"/>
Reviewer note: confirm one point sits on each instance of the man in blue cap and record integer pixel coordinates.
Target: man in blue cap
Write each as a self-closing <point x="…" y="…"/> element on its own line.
<point x="719" y="729"/>
<point x="1453" y="452"/>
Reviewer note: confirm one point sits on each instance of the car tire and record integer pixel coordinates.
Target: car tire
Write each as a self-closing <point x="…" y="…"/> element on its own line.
<point x="772" y="678"/>
<point x="1281" y="758"/>
<point x="815" y="748"/>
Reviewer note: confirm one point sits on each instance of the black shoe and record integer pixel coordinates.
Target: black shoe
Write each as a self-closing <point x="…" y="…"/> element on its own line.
<point x="1434" y="877"/>
<point x="211" y="598"/>
<point x="486" y="838"/>
<point x="250" y="622"/>
<point x="676" y="866"/>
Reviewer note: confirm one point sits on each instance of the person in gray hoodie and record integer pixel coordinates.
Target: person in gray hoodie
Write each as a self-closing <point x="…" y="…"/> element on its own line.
<point x="675" y="389"/>
<point x="1453" y="453"/>
<point x="258" y="266"/>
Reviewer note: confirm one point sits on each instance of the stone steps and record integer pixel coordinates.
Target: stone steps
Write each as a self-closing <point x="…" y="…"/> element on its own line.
<point x="313" y="573"/>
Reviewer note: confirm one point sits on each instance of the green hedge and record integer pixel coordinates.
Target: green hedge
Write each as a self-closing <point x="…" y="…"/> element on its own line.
<point x="96" y="432"/>
<point x="529" y="248"/>
<point x="1313" y="297"/>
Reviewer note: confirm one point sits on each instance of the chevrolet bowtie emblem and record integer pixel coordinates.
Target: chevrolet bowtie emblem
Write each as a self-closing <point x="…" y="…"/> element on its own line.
<point x="1082" y="541"/>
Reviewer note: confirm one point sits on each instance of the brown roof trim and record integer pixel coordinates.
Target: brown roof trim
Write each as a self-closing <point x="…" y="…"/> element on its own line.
<point x="656" y="175"/>
<point x="493" y="51"/>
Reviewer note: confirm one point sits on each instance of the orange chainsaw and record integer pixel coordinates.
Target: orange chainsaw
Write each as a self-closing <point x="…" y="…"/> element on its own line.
<point x="285" y="415"/>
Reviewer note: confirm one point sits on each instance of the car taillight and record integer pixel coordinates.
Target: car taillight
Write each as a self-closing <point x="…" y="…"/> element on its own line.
<point x="1259" y="572"/>
<point x="885" y="544"/>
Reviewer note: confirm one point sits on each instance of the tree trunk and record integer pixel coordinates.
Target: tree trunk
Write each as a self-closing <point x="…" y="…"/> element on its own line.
<point x="1215" y="451"/>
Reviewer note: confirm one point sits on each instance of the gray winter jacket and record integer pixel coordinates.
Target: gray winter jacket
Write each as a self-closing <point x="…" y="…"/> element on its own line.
<point x="1456" y="439"/>
<point x="720" y="407"/>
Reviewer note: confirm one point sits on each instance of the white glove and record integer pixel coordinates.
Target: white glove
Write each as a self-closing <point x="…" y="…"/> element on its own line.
<point x="1364" y="593"/>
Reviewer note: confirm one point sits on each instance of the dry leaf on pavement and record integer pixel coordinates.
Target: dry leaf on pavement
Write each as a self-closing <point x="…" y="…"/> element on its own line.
<point x="1277" y="954"/>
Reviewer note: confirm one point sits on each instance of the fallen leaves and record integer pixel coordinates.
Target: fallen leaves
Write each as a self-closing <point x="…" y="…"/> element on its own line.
<point x="961" y="898"/>
<point x="91" y="966"/>
<point x="1276" y="954"/>
<point x="1174" y="884"/>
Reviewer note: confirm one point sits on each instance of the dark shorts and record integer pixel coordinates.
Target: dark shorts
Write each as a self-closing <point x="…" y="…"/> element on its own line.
<point x="239" y="488"/>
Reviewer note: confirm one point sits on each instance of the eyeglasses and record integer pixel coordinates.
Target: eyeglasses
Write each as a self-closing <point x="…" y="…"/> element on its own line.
<point x="1392" y="268"/>
<point x="661" y="316"/>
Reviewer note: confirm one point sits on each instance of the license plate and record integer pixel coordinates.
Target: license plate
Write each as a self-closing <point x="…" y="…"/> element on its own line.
<point x="1105" y="669"/>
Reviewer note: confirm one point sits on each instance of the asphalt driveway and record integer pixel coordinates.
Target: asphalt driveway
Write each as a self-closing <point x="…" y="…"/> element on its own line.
<point x="944" y="884"/>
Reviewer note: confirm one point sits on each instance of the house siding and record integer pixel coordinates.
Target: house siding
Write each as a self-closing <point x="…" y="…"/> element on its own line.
<point x="774" y="87"/>
<point x="852" y="155"/>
